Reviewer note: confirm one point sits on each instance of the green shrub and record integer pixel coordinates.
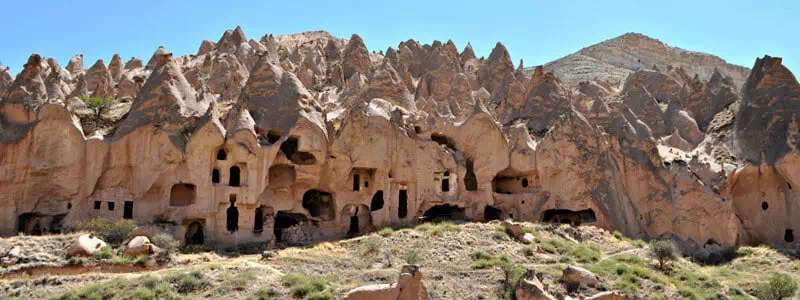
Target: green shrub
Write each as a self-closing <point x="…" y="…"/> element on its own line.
<point x="483" y="260"/>
<point x="443" y="227"/>
<point x="512" y="275"/>
<point x="744" y="251"/>
<point x="190" y="282"/>
<point x="241" y="280"/>
<point x="122" y="260"/>
<point x="664" y="251"/>
<point x="371" y="246"/>
<point x="166" y="242"/>
<point x="263" y="294"/>
<point x="104" y="253"/>
<point x="618" y="235"/>
<point x="780" y="286"/>
<point x="500" y="233"/>
<point x="308" y="286"/>
<point x="412" y="258"/>
<point x="527" y="251"/>
<point x="386" y="232"/>
<point x="113" y="232"/>
<point x="586" y="254"/>
<point x="480" y="255"/>
<point x="97" y="103"/>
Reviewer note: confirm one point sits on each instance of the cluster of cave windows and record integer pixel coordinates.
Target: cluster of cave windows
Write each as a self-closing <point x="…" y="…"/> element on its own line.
<point x="565" y="216"/>
<point x="235" y="172"/>
<point x="514" y="184"/>
<point x="360" y="178"/>
<point x="127" y="209"/>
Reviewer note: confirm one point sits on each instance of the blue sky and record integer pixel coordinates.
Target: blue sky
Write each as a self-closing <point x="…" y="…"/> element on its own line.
<point x="536" y="31"/>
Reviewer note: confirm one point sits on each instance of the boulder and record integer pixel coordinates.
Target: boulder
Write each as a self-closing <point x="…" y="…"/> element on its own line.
<point x="85" y="245"/>
<point x="577" y="276"/>
<point x="530" y="288"/>
<point x="139" y="246"/>
<point x="610" y="295"/>
<point x="408" y="287"/>
<point x="516" y="231"/>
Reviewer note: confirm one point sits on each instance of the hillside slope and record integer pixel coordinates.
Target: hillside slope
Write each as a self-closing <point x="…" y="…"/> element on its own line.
<point x="615" y="59"/>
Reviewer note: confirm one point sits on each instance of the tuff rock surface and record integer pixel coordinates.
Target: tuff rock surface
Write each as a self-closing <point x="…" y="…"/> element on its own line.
<point x="305" y="137"/>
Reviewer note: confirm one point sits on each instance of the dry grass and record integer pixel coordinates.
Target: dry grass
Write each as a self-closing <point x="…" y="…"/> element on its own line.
<point x="458" y="261"/>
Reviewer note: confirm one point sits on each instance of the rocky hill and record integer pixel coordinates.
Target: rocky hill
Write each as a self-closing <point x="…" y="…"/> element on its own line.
<point x="613" y="60"/>
<point x="452" y="261"/>
<point x="307" y="137"/>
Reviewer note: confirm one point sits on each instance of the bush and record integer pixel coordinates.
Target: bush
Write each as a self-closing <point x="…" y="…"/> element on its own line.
<point x="104" y="253"/>
<point x="113" y="232"/>
<point x="780" y="286"/>
<point x="263" y="294"/>
<point x="586" y="254"/>
<point x="618" y="235"/>
<point x="186" y="283"/>
<point x="513" y="274"/>
<point x="664" y="251"/>
<point x="385" y="232"/>
<point x="308" y="286"/>
<point x="527" y="251"/>
<point x="371" y="246"/>
<point x="412" y="258"/>
<point x="165" y="242"/>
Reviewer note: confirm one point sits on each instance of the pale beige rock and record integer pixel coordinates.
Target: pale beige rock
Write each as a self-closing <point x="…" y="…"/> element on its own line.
<point x="140" y="246"/>
<point x="610" y="295"/>
<point x="85" y="245"/>
<point x="408" y="287"/>
<point x="578" y="275"/>
<point x="530" y="288"/>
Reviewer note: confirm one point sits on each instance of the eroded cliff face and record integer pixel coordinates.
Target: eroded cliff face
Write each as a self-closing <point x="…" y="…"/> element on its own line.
<point x="306" y="137"/>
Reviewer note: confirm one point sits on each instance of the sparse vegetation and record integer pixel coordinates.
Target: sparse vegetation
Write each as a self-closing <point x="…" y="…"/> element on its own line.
<point x="189" y="282"/>
<point x="664" y="251"/>
<point x="386" y="232"/>
<point x="104" y="253"/>
<point x="263" y="294"/>
<point x="780" y="286"/>
<point x="437" y="228"/>
<point x="97" y="103"/>
<point x="113" y="232"/>
<point x="371" y="246"/>
<point x="412" y="258"/>
<point x="309" y="286"/>
<point x="166" y="242"/>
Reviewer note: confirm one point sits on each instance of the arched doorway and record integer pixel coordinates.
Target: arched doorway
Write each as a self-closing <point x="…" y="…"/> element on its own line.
<point x="235" y="176"/>
<point x="194" y="234"/>
<point x="232" y="219"/>
<point x="377" y="201"/>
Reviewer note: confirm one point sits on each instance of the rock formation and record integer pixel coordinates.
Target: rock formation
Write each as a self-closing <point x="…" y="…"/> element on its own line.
<point x="305" y="137"/>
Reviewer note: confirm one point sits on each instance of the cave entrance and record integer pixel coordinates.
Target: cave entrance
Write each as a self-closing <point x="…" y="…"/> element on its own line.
<point x="353" y="224"/>
<point x="284" y="221"/>
<point x="377" y="201"/>
<point x="290" y="147"/>
<point x="215" y="175"/>
<point x="443" y="141"/>
<point x="565" y="216"/>
<point x="402" y="209"/>
<point x="470" y="180"/>
<point x="258" y="222"/>
<point x="182" y="194"/>
<point x="444" y="212"/>
<point x="491" y="213"/>
<point x="446" y="182"/>
<point x="194" y="234"/>
<point x="29" y="223"/>
<point x="222" y="155"/>
<point x="356" y="182"/>
<point x="235" y="176"/>
<point x="319" y="204"/>
<point x="788" y="236"/>
<point x="127" y="210"/>
<point x="232" y="220"/>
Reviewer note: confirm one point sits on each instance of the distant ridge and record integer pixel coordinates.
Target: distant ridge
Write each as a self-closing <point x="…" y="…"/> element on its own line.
<point x="614" y="59"/>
